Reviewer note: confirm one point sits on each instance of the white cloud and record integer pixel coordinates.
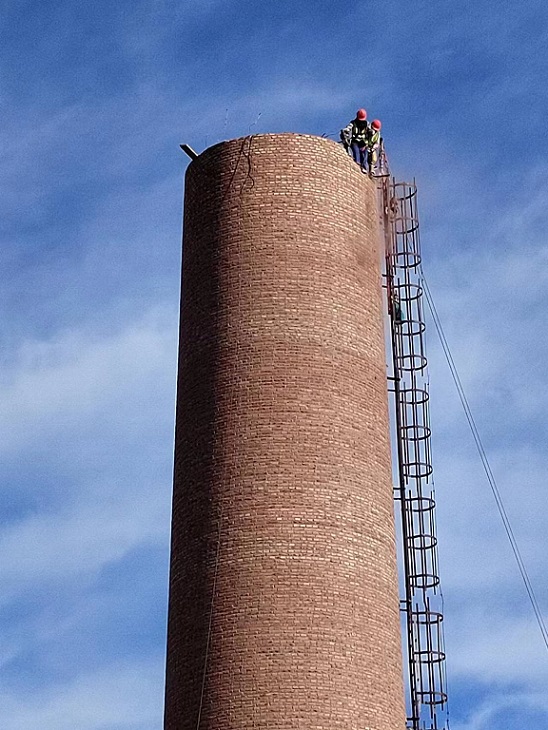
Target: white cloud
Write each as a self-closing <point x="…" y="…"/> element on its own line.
<point x="492" y="713"/>
<point x="121" y="697"/>
<point x="48" y="548"/>
<point x="99" y="410"/>
<point x="78" y="376"/>
<point x="498" y="647"/>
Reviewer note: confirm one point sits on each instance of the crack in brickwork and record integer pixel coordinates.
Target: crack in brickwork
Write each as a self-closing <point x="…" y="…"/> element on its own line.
<point x="282" y="430"/>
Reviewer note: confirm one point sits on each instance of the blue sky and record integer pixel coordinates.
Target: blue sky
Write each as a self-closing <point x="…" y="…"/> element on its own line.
<point x="95" y="99"/>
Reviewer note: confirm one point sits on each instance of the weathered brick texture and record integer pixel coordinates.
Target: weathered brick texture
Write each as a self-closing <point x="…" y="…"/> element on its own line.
<point x="283" y="598"/>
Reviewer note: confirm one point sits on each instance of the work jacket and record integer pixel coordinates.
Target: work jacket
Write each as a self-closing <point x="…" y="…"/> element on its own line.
<point x="360" y="131"/>
<point x="373" y="138"/>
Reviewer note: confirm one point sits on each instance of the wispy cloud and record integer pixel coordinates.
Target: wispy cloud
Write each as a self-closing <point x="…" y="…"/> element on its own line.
<point x="122" y="697"/>
<point x="80" y="375"/>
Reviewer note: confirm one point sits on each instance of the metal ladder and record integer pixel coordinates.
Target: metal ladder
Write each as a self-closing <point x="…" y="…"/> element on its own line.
<point x="421" y="603"/>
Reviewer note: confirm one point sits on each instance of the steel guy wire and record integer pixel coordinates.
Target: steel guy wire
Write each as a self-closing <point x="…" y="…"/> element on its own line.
<point x="485" y="462"/>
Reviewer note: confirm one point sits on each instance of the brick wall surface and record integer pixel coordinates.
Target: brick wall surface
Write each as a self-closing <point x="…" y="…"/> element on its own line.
<point x="283" y="596"/>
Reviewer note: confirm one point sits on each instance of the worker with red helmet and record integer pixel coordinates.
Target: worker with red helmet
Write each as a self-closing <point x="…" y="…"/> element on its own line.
<point x="354" y="137"/>
<point x="374" y="144"/>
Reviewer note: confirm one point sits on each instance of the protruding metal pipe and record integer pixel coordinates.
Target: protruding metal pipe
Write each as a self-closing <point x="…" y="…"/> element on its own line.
<point x="189" y="151"/>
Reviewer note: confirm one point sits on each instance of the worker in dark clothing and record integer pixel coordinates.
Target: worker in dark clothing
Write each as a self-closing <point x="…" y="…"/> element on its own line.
<point x="354" y="137"/>
<point x="374" y="144"/>
<point x="396" y="308"/>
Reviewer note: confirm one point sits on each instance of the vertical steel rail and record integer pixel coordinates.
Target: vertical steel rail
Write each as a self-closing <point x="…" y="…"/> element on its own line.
<point x="421" y="602"/>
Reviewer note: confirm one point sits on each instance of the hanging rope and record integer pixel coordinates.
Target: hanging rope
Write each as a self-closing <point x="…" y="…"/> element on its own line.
<point x="213" y="591"/>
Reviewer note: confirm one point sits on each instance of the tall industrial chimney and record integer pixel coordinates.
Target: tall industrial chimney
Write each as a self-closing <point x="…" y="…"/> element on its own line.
<point x="283" y="609"/>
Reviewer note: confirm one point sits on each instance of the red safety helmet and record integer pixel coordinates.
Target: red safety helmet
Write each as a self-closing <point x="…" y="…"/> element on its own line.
<point x="361" y="114"/>
<point x="376" y="124"/>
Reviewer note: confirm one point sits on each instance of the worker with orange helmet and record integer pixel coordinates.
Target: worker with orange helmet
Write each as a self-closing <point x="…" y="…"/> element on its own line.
<point x="374" y="144"/>
<point x="354" y="137"/>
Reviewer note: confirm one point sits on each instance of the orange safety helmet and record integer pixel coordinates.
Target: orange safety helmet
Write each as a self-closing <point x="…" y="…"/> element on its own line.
<point x="376" y="124"/>
<point x="361" y="114"/>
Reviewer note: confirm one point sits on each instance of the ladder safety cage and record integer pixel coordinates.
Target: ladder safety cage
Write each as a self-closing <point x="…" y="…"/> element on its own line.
<point x="422" y="602"/>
